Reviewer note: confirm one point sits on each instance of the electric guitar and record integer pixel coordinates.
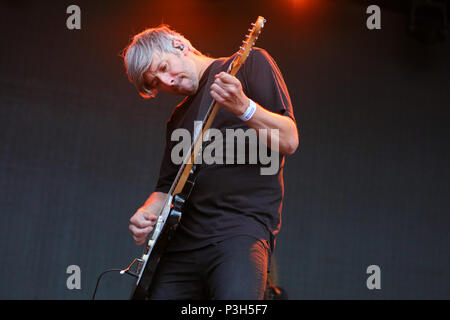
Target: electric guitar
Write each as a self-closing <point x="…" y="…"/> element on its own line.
<point x="171" y="212"/>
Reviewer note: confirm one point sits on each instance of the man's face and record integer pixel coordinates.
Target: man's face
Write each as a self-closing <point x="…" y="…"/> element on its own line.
<point x="175" y="74"/>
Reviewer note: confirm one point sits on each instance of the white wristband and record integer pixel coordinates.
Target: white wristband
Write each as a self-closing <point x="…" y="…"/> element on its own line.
<point x="249" y="112"/>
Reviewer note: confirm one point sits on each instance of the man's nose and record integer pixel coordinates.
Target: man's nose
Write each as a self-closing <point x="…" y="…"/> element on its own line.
<point x="168" y="80"/>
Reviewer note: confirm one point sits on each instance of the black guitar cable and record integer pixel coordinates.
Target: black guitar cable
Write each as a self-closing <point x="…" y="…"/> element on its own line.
<point x="122" y="271"/>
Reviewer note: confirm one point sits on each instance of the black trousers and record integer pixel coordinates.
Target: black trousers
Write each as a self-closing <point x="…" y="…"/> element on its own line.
<point x="233" y="269"/>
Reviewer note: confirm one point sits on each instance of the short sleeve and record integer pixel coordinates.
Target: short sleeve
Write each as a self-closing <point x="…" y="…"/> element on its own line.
<point x="265" y="84"/>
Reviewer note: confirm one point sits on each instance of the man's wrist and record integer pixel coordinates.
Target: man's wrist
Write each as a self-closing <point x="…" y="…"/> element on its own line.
<point x="249" y="112"/>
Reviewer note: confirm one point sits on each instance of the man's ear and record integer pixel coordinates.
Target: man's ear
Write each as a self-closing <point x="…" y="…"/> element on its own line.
<point x="180" y="45"/>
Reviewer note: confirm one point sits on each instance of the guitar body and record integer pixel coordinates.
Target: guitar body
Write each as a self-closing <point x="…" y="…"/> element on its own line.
<point x="170" y="215"/>
<point x="160" y="240"/>
<point x="141" y="288"/>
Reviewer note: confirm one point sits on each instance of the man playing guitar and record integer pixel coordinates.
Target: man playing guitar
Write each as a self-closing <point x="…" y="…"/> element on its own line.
<point x="222" y="246"/>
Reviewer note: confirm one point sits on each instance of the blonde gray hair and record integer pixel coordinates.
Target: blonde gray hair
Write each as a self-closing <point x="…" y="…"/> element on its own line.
<point x="139" y="53"/>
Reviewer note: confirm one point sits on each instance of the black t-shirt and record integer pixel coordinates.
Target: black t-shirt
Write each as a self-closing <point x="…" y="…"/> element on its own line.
<point x="229" y="199"/>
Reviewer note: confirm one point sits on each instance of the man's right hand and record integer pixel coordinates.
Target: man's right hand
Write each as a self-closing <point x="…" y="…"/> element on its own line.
<point x="141" y="224"/>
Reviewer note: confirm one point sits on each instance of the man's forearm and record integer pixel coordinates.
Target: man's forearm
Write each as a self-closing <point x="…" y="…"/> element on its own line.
<point x="288" y="134"/>
<point x="155" y="202"/>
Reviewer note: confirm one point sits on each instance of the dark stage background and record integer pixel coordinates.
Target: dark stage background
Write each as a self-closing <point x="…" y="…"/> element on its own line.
<point x="80" y="150"/>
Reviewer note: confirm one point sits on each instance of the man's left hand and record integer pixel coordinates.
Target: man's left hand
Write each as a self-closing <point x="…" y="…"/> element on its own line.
<point x="227" y="91"/>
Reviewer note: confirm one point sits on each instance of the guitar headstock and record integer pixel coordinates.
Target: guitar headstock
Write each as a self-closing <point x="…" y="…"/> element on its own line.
<point x="248" y="43"/>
